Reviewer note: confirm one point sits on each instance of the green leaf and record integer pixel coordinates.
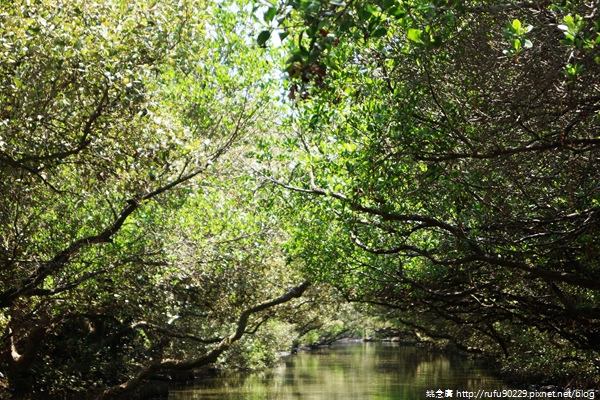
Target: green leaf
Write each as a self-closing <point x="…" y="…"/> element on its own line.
<point x="17" y="82"/>
<point x="379" y="32"/>
<point x="263" y="37"/>
<point x="371" y="9"/>
<point x="270" y="14"/>
<point x="415" y="35"/>
<point x="396" y="12"/>
<point x="365" y="13"/>
<point x="569" y="21"/>
<point x="517" y="45"/>
<point x="516" y="25"/>
<point x="283" y="35"/>
<point x="387" y="4"/>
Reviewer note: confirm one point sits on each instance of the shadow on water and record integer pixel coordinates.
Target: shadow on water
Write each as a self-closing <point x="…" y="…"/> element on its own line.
<point x="350" y="371"/>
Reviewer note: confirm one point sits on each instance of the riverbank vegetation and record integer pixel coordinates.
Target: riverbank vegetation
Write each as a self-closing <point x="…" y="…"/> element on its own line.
<point x="446" y="154"/>
<point x="134" y="241"/>
<point x="187" y="183"/>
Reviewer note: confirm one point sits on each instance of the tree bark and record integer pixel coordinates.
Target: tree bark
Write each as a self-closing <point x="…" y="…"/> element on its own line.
<point x="23" y="353"/>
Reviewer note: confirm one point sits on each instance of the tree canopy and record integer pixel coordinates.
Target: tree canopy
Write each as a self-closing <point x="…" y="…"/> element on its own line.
<point x="446" y="156"/>
<point x="176" y="175"/>
<point x="133" y="241"/>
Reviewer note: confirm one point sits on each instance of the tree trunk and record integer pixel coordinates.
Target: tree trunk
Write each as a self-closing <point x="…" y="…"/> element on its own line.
<point x="23" y="353"/>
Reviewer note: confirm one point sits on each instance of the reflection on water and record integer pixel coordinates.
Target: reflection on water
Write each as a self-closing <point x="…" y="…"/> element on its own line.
<point x="349" y="371"/>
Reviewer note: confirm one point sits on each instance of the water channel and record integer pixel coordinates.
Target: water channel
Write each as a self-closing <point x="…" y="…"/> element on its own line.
<point x="351" y="371"/>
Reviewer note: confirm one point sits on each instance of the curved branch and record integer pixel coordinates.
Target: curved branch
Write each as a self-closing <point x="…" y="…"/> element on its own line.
<point x="208" y="358"/>
<point x="568" y="144"/>
<point x="27" y="287"/>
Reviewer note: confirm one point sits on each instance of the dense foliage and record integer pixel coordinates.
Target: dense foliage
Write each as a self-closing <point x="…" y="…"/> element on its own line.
<point x="133" y="241"/>
<point x="161" y="205"/>
<point x="446" y="156"/>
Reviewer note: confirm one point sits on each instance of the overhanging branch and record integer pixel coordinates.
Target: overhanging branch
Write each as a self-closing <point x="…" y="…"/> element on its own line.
<point x="209" y="357"/>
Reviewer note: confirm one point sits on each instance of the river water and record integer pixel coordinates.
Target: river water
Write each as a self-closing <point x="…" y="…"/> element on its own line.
<point x="352" y="371"/>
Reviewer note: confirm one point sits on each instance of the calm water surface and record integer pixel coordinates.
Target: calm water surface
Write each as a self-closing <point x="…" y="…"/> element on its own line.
<point x="350" y="371"/>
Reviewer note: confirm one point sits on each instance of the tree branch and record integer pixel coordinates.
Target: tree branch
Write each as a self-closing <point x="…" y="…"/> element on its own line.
<point x="27" y="286"/>
<point x="208" y="358"/>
